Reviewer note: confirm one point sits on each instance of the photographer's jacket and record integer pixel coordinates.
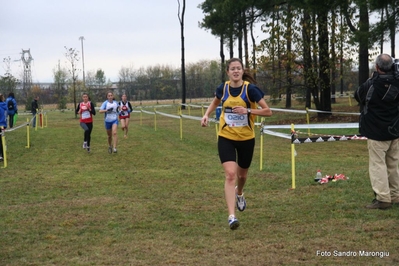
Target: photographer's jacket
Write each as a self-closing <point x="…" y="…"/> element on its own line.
<point x="379" y="100"/>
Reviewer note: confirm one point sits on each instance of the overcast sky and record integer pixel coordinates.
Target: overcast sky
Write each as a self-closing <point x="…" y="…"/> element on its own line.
<point x="118" y="33"/>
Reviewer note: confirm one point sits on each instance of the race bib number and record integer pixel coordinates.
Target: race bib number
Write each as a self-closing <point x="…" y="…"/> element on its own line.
<point x="85" y="115"/>
<point x="235" y="120"/>
<point x="111" y="117"/>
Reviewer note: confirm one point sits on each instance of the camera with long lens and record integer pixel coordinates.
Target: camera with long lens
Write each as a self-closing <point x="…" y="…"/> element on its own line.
<point x="395" y="68"/>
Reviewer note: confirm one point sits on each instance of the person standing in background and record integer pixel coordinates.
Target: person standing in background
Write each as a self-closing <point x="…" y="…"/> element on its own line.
<point x="34" y="109"/>
<point x="3" y="122"/>
<point x="379" y="101"/>
<point x="124" y="115"/>
<point x="86" y="110"/>
<point x="12" y="108"/>
<point x="236" y="138"/>
<point x="110" y="110"/>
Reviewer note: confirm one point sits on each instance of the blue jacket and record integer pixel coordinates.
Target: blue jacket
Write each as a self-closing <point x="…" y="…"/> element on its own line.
<point x="3" y="114"/>
<point x="11" y="112"/>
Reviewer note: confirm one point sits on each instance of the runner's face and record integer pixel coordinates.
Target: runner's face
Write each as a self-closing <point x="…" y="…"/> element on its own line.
<point x="110" y="97"/>
<point x="235" y="71"/>
<point x="124" y="98"/>
<point x="85" y="98"/>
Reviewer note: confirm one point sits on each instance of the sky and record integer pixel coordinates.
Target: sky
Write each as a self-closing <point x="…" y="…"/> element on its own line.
<point x="117" y="33"/>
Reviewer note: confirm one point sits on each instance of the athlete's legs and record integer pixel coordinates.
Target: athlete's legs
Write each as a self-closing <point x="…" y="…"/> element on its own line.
<point x="88" y="133"/>
<point x="85" y="128"/>
<point x="114" y="134"/>
<point x="245" y="151"/>
<point x="242" y="178"/>
<point x="123" y="124"/>
<point x="230" y="171"/>
<point x="126" y="125"/>
<point x="109" y="134"/>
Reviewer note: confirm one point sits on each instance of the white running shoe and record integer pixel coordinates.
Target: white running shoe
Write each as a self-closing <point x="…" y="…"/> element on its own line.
<point x="240" y="202"/>
<point x="233" y="222"/>
<point x="84" y="145"/>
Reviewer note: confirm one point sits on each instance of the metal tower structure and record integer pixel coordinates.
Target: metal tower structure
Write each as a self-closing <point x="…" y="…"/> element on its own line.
<point x="26" y="59"/>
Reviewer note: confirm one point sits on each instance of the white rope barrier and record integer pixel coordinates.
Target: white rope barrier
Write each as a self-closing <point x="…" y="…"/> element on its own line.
<point x="277" y="134"/>
<point x="288" y="110"/>
<point x="341" y="113"/>
<point x="147" y="112"/>
<point x="295" y="140"/>
<point x="267" y="129"/>
<point x="16" y="127"/>
<point x="192" y="105"/>
<point x="195" y="118"/>
<point x="24" y="124"/>
<point x="313" y="126"/>
<point x="168" y="115"/>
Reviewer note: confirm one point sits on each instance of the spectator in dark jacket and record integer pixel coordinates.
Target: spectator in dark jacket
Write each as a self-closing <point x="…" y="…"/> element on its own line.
<point x="35" y="108"/>
<point x="3" y="121"/>
<point x="12" y="108"/>
<point x="379" y="100"/>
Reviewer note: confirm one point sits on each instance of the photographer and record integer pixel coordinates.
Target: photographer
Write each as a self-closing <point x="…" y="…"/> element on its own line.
<point x="379" y="99"/>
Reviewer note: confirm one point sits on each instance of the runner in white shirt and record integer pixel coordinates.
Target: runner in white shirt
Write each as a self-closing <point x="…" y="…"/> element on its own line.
<point x="124" y="115"/>
<point x="110" y="109"/>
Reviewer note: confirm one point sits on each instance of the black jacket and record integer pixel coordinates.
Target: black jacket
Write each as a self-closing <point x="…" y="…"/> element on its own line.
<point x="35" y="106"/>
<point x="379" y="99"/>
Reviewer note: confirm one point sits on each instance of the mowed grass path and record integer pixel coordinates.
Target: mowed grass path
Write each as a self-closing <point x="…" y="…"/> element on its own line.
<point x="160" y="201"/>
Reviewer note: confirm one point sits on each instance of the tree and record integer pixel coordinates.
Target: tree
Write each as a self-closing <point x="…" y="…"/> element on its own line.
<point x="126" y="81"/>
<point x="389" y="20"/>
<point x="288" y="37"/>
<point x="324" y="62"/>
<point x="180" y="14"/>
<point x="72" y="55"/>
<point x="309" y="74"/>
<point x="100" y="78"/>
<point x="8" y="82"/>
<point x="218" y="22"/>
<point x="361" y="34"/>
<point x="230" y="21"/>
<point x="60" y="80"/>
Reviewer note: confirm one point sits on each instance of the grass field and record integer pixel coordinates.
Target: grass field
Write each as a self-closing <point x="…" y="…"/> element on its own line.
<point x="160" y="200"/>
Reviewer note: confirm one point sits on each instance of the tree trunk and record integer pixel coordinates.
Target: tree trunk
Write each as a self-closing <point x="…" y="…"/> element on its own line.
<point x="222" y="59"/>
<point x="324" y="63"/>
<point x="333" y="56"/>
<point x="288" y="92"/>
<point x="308" y="72"/>
<point x="364" y="26"/>
<point x="183" y="64"/>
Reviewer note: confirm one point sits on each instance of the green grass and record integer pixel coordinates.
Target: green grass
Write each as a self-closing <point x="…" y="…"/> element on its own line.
<point x="160" y="200"/>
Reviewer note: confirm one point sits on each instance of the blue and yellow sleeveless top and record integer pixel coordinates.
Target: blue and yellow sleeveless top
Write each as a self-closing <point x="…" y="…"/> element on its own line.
<point x="236" y="126"/>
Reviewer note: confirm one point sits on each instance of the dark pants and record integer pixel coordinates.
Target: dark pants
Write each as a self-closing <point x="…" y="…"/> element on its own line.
<point x="87" y="127"/>
<point x="1" y="147"/>
<point x="11" y="120"/>
<point x="34" y="119"/>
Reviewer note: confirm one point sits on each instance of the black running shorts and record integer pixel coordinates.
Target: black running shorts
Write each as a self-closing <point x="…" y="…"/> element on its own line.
<point x="236" y="151"/>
